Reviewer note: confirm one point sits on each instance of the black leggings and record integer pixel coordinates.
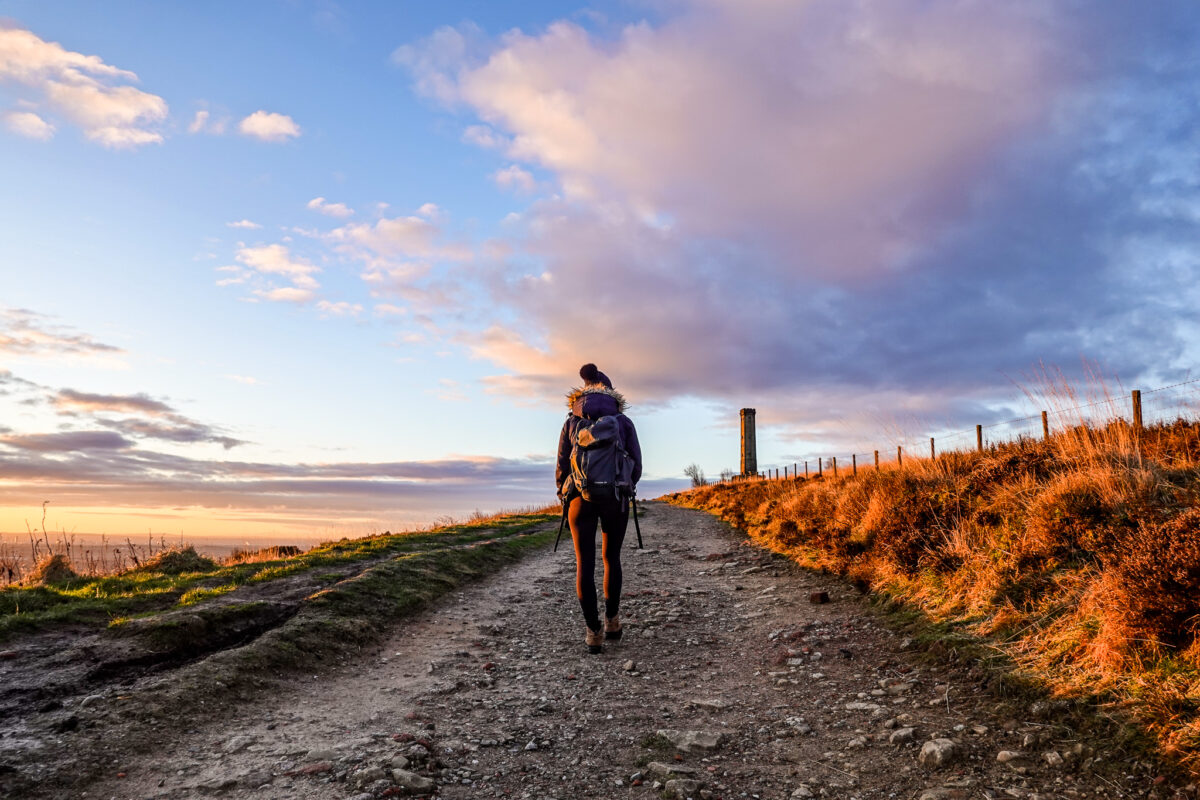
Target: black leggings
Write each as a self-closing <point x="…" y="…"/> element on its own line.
<point x="613" y="517"/>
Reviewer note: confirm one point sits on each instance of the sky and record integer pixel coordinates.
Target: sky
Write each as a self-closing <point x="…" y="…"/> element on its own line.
<point x="300" y="268"/>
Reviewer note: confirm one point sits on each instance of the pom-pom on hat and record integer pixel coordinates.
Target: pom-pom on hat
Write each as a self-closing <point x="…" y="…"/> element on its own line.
<point x="590" y="374"/>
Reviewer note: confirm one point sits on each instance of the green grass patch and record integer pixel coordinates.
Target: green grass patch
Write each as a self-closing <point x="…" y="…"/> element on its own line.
<point x="146" y="590"/>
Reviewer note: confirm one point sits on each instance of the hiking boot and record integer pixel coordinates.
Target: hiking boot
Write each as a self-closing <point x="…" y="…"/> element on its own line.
<point x="612" y="628"/>
<point x="595" y="641"/>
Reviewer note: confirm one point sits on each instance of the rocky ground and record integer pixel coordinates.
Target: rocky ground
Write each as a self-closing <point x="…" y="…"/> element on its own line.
<point x="733" y="680"/>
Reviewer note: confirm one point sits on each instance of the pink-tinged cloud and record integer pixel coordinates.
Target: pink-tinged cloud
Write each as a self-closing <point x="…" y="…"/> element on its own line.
<point x="880" y="198"/>
<point x="839" y="130"/>
<point x="28" y="124"/>
<point x="69" y="400"/>
<point x="321" y="206"/>
<point x="28" y="333"/>
<point x="81" y="88"/>
<point x="268" y="126"/>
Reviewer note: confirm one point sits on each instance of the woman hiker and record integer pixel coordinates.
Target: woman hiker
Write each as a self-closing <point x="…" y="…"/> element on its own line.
<point x="595" y="400"/>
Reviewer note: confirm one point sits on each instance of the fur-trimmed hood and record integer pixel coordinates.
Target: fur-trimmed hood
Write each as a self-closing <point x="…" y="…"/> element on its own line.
<point x="578" y="394"/>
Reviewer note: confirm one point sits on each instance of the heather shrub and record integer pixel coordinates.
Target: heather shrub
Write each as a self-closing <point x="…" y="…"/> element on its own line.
<point x="1158" y="580"/>
<point x="1074" y="513"/>
<point x="903" y="517"/>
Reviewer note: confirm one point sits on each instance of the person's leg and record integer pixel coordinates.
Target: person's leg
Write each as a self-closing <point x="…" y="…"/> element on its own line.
<point x="614" y="518"/>
<point x="583" y="516"/>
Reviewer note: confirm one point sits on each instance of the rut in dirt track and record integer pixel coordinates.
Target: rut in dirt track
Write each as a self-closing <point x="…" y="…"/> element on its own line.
<point x="492" y="694"/>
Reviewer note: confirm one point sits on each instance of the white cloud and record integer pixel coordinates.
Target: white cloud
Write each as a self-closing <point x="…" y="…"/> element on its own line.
<point x="396" y="237"/>
<point x="276" y="260"/>
<point x="340" y="309"/>
<point x="198" y="122"/>
<point x="204" y="122"/>
<point x="243" y="223"/>
<point x="516" y="178"/>
<point x="83" y="89"/>
<point x="286" y="294"/>
<point x="28" y="124"/>
<point x="429" y="211"/>
<point x="340" y="210"/>
<point x="269" y="127"/>
<point x="389" y="310"/>
<point x="483" y="136"/>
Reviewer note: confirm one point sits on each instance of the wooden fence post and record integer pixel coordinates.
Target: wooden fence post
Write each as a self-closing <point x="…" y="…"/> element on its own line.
<point x="932" y="452"/>
<point x="876" y="460"/>
<point x="899" y="455"/>
<point x="820" y="468"/>
<point x="834" y="460"/>
<point x="795" y="470"/>
<point x="854" y="463"/>
<point x="1137" y="409"/>
<point x="785" y="472"/>
<point x="805" y="470"/>
<point x="979" y="438"/>
<point x="777" y="473"/>
<point x="1045" y="426"/>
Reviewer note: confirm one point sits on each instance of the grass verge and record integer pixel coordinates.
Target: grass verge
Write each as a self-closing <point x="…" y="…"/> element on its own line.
<point x="173" y="581"/>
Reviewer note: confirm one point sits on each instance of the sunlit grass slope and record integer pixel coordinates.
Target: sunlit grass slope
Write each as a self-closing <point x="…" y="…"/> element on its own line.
<point x="1078" y="555"/>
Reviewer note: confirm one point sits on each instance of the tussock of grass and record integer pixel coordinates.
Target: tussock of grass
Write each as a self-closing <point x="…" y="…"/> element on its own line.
<point x="1078" y="556"/>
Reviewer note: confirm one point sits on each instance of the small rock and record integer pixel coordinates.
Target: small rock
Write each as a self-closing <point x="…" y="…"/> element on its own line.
<point x="937" y="752"/>
<point x="902" y="735"/>
<point x="411" y="781"/>
<point x="531" y="746"/>
<point x="819" y="597"/>
<point x="941" y="794"/>
<point x="691" y="741"/>
<point x="1005" y="756"/>
<point x="683" y="788"/>
<point x="666" y="770"/>
<point x="237" y="744"/>
<point x="802" y="791"/>
<point x="322" y="754"/>
<point x="90" y="700"/>
<point x="66" y="725"/>
<point x="257" y="779"/>
<point x="367" y="776"/>
<point x="629" y="666"/>
<point x="715" y="703"/>
<point x="399" y="762"/>
<point x="858" y="742"/>
<point x="1052" y="758"/>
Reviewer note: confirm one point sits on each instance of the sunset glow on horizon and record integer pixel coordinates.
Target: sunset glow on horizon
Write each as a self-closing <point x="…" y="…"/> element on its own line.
<point x="311" y="269"/>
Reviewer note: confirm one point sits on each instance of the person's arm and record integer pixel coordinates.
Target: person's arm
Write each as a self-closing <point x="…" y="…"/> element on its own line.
<point x="632" y="447"/>
<point x="563" y="469"/>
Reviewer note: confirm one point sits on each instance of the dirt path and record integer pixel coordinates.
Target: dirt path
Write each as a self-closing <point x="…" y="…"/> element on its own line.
<point x="492" y="694"/>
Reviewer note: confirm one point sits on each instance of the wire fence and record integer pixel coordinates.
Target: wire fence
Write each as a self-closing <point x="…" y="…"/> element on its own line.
<point x="1164" y="404"/>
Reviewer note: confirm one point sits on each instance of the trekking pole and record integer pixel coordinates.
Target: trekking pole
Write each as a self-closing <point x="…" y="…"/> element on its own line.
<point x="561" y="523"/>
<point x="636" y="526"/>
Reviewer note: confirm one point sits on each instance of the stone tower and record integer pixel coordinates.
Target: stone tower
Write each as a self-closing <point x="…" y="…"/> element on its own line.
<point x="749" y="449"/>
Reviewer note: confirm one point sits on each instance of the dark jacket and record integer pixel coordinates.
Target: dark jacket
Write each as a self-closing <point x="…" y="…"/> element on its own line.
<point x="593" y="402"/>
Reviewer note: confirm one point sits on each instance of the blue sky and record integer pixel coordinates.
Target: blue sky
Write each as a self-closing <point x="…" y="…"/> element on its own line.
<point x="298" y="266"/>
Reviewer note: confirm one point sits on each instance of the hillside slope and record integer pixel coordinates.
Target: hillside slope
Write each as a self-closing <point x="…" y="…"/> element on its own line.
<point x="1078" y="557"/>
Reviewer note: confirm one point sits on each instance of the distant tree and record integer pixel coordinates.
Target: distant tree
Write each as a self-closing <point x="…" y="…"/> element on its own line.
<point x="694" y="472"/>
<point x="727" y="475"/>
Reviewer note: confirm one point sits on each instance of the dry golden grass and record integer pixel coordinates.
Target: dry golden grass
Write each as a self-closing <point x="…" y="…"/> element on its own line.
<point x="1079" y="555"/>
